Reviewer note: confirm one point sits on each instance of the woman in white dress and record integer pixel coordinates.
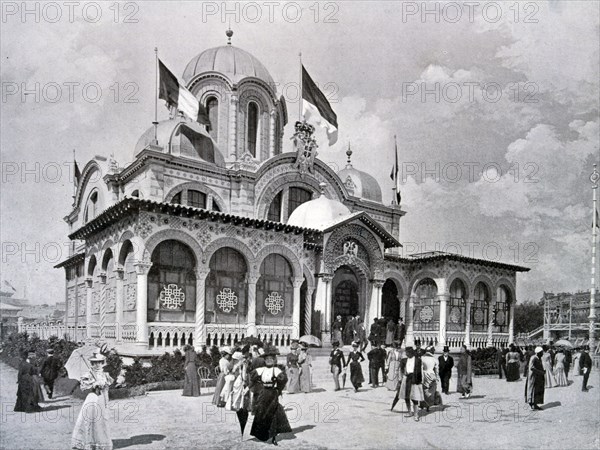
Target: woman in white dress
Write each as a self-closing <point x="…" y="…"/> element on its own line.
<point x="547" y="364"/>
<point x="234" y="389"/>
<point x="559" y="369"/>
<point x="91" y="428"/>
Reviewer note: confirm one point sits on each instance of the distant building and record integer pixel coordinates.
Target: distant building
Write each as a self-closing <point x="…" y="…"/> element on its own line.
<point x="565" y="315"/>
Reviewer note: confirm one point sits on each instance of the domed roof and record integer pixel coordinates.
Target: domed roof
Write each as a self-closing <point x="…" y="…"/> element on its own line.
<point x="358" y="183"/>
<point x="318" y="213"/>
<point x="233" y="62"/>
<point x="182" y="138"/>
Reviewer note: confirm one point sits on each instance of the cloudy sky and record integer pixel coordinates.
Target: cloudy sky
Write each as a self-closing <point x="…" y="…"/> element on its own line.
<point x="495" y="108"/>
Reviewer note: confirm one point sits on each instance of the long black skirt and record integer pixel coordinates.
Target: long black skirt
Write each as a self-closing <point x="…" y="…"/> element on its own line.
<point x="269" y="416"/>
<point x="356" y="375"/>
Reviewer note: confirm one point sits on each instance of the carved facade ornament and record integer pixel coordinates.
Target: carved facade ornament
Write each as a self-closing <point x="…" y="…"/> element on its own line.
<point x="426" y="314"/>
<point x="306" y="147"/>
<point x="455" y="314"/>
<point x="351" y="249"/>
<point x="111" y="299"/>
<point x="274" y="303"/>
<point x="172" y="297"/>
<point x="227" y="300"/>
<point x="131" y="296"/>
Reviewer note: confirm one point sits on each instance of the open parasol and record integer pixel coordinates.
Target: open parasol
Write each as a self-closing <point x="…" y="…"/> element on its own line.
<point x="311" y="340"/>
<point x="77" y="365"/>
<point x="563" y="343"/>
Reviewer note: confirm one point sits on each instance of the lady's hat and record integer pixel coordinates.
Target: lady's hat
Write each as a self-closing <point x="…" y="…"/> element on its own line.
<point x="226" y="349"/>
<point x="538" y="349"/>
<point x="294" y="345"/>
<point x="238" y="356"/>
<point x="335" y="344"/>
<point x="355" y="344"/>
<point x="270" y="350"/>
<point x="97" y="357"/>
<point x="430" y="350"/>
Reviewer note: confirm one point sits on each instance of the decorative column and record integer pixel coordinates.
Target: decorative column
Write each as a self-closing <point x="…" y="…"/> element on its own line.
<point x="88" y="306"/>
<point x="141" y="310"/>
<point x="119" y="302"/>
<point x="102" y="280"/>
<point x="410" y="334"/>
<point x="511" y="324"/>
<point x="297" y="283"/>
<point x="594" y="178"/>
<point x="272" y="133"/>
<point x="233" y="111"/>
<point x="200" y="326"/>
<point x="375" y="306"/>
<point x="443" y="299"/>
<point x="308" y="310"/>
<point x="468" y="323"/>
<point x="284" y="205"/>
<point x="251" y="329"/>
<point x="402" y="308"/>
<point x="490" y="334"/>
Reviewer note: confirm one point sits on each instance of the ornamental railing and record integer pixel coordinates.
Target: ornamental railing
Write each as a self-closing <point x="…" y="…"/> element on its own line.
<point x="169" y="336"/>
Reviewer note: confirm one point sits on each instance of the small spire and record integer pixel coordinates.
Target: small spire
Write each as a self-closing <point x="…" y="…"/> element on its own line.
<point x="349" y="154"/>
<point x="229" y="33"/>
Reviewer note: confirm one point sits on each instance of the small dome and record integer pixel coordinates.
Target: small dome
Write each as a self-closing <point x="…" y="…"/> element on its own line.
<point x="182" y="138"/>
<point x="359" y="184"/>
<point x="318" y="213"/>
<point x="235" y="63"/>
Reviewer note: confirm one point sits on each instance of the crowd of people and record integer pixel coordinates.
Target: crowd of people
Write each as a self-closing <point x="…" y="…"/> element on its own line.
<point x="250" y="381"/>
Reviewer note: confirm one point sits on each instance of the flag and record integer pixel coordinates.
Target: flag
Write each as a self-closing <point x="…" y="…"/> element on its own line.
<point x="77" y="173"/>
<point x="316" y="106"/>
<point x="395" y="172"/>
<point x="597" y="219"/>
<point x="177" y="96"/>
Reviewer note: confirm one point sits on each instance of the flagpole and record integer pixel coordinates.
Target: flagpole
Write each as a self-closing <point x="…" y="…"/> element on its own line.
<point x="594" y="177"/>
<point x="395" y="202"/>
<point x="155" y="123"/>
<point x="300" y="90"/>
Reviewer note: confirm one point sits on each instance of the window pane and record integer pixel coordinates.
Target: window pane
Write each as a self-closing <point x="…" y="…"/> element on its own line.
<point x="176" y="198"/>
<point x="252" y="127"/>
<point x="274" y="214"/>
<point x="212" y="107"/>
<point x="196" y="199"/>
<point x="296" y="198"/>
<point x="274" y="292"/>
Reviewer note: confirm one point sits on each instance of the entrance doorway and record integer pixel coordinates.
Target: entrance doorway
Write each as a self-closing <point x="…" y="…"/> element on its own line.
<point x="390" y="308"/>
<point x="345" y="294"/>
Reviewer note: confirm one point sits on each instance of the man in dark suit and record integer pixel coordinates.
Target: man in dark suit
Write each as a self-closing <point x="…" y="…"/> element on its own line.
<point x="49" y="371"/>
<point x="446" y="363"/>
<point x="336" y="362"/>
<point x="376" y="358"/>
<point x="585" y="364"/>
<point x="374" y="333"/>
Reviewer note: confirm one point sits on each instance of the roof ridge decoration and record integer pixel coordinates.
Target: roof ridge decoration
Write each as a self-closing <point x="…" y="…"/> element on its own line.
<point x="306" y="147"/>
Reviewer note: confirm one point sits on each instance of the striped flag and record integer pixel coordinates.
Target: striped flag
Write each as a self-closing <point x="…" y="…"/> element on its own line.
<point x="178" y="96"/>
<point x="394" y="175"/>
<point x="315" y="107"/>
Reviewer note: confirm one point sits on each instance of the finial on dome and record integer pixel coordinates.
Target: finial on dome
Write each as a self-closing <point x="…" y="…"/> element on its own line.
<point x="322" y="185"/>
<point x="229" y="33"/>
<point x="349" y="154"/>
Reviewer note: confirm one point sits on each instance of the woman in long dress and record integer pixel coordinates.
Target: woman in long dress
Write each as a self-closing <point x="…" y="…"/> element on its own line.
<point x="91" y="428"/>
<point x="430" y="379"/>
<point x="233" y="394"/>
<point x="354" y="359"/>
<point x="27" y="397"/>
<point x="269" y="415"/>
<point x="547" y="365"/>
<point x="465" y="379"/>
<point x="224" y="369"/>
<point x="305" y="362"/>
<point x="559" y="369"/>
<point x="411" y="388"/>
<point x="513" y="364"/>
<point x="390" y="332"/>
<point x="293" y="370"/>
<point x="393" y="371"/>
<point x="191" y="383"/>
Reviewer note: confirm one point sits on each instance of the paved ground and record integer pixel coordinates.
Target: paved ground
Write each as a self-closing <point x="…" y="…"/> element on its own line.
<point x="494" y="417"/>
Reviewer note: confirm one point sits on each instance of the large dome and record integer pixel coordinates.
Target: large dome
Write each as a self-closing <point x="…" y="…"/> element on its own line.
<point x="358" y="183"/>
<point x="235" y="63"/>
<point x="318" y="213"/>
<point x="182" y="138"/>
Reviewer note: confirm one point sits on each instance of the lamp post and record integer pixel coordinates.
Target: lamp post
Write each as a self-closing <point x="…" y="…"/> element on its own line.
<point x="594" y="177"/>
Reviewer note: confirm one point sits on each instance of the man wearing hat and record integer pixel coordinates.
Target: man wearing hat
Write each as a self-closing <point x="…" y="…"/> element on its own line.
<point x="50" y="369"/>
<point x="536" y="378"/>
<point x="336" y="361"/>
<point x="446" y="363"/>
<point x="585" y="364"/>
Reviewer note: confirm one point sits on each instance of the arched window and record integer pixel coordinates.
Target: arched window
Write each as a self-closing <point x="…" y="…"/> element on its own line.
<point x="274" y="213"/>
<point x="457" y="307"/>
<point x="226" y="287"/>
<point x="215" y="206"/>
<point x="176" y="199"/>
<point x="426" y="314"/>
<point x="274" y="292"/>
<point x="252" y="127"/>
<point x="277" y="150"/>
<point x="480" y="307"/>
<point x="172" y="283"/>
<point x="296" y="198"/>
<point x="196" y="199"/>
<point x="502" y="310"/>
<point x="91" y="209"/>
<point x="212" y="108"/>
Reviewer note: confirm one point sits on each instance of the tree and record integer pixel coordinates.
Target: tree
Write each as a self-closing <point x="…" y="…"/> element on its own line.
<point x="528" y="317"/>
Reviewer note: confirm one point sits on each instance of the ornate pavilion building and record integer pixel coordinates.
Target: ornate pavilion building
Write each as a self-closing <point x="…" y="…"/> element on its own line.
<point x="209" y="236"/>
